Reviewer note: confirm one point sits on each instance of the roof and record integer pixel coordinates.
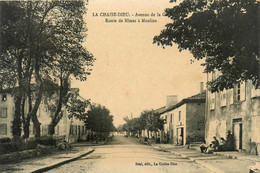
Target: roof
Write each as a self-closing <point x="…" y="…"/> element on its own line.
<point x="201" y="97"/>
<point x="160" y="110"/>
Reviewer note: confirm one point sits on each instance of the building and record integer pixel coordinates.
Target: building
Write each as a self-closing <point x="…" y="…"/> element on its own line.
<point x="236" y="110"/>
<point x="6" y="113"/>
<point x="185" y="121"/>
<point x="69" y="128"/>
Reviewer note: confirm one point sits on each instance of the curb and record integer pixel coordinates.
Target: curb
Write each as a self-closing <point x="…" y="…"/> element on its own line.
<point x="200" y="162"/>
<point x="226" y="155"/>
<point x="47" y="168"/>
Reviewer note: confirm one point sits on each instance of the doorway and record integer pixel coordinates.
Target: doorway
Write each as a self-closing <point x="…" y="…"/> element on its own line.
<point x="238" y="133"/>
<point x="180" y="136"/>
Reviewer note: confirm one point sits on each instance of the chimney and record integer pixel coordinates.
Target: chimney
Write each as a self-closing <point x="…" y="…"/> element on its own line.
<point x="201" y="87"/>
<point x="171" y="100"/>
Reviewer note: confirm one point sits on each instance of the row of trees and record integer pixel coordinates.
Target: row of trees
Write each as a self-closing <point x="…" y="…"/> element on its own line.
<point x="148" y="120"/>
<point x="41" y="52"/>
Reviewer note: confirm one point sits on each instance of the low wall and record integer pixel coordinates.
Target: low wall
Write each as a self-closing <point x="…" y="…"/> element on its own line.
<point x="16" y="156"/>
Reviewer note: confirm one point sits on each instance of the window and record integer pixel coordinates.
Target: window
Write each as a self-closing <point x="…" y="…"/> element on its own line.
<point x="3" y="129"/>
<point x="71" y="129"/>
<point x="223" y="98"/>
<point x="4" y="97"/>
<point x="179" y="115"/>
<point x="166" y="118"/>
<point x="3" y="112"/>
<point x="255" y="92"/>
<point x="240" y="93"/>
<point x="231" y="96"/>
<point x="211" y="101"/>
<point x="83" y="130"/>
<point x="171" y="118"/>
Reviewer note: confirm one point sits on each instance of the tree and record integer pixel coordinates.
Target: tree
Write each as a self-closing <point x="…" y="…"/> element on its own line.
<point x="120" y="128"/>
<point x="99" y="120"/>
<point x="151" y="121"/>
<point x="225" y="33"/>
<point x="148" y="119"/>
<point x="43" y="42"/>
<point x="132" y="125"/>
<point x="77" y="107"/>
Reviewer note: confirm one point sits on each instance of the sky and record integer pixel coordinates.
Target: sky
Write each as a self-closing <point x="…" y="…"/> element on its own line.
<point x="131" y="74"/>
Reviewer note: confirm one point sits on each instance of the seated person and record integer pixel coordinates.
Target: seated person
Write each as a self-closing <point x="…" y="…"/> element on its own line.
<point x="210" y="149"/>
<point x="222" y="145"/>
<point x="213" y="146"/>
<point x="215" y="143"/>
<point x="203" y="148"/>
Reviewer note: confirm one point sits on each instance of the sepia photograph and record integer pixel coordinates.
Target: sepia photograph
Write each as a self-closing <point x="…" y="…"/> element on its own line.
<point x="124" y="86"/>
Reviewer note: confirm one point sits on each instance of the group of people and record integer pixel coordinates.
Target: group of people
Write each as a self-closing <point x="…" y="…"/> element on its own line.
<point x="216" y="145"/>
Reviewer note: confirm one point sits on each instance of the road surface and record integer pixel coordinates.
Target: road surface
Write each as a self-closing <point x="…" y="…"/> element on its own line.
<point x="123" y="155"/>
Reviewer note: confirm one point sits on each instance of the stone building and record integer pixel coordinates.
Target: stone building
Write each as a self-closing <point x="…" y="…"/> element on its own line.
<point x="236" y="110"/>
<point x="185" y="120"/>
<point x="71" y="129"/>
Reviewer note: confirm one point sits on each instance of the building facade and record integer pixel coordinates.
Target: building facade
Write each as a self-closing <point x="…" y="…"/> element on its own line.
<point x="185" y="121"/>
<point x="69" y="128"/>
<point x="236" y="110"/>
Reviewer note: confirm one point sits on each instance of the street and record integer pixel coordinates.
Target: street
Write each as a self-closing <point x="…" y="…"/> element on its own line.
<point x="127" y="155"/>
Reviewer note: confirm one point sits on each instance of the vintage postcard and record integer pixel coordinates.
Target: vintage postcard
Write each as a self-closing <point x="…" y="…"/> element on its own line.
<point x="129" y="86"/>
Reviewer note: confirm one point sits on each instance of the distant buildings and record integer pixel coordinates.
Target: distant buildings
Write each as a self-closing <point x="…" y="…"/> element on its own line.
<point x="71" y="129"/>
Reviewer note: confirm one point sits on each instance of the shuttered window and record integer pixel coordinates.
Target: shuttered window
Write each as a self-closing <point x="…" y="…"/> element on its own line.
<point x="3" y="129"/>
<point x="3" y="112"/>
<point x="223" y="98"/>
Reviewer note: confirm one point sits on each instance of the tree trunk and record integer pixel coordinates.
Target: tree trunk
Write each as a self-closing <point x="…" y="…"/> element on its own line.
<point x="51" y="129"/>
<point x="27" y="121"/>
<point x="16" y="125"/>
<point x="26" y="130"/>
<point x="33" y="113"/>
<point x="63" y="91"/>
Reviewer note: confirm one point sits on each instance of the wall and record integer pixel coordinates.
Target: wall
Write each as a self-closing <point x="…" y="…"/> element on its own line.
<point x="9" y="104"/>
<point x="62" y="129"/>
<point x="195" y="122"/>
<point x="176" y="123"/>
<point x="220" y="119"/>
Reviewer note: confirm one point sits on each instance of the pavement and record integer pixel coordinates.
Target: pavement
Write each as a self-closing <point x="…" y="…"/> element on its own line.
<point x="220" y="162"/>
<point x="127" y="155"/>
<point x="48" y="162"/>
